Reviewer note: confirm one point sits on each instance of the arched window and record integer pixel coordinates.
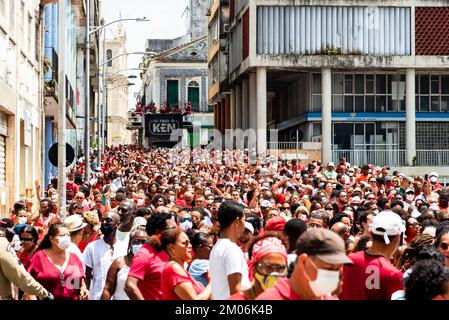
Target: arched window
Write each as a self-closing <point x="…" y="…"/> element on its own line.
<point x="109" y="57"/>
<point x="193" y="95"/>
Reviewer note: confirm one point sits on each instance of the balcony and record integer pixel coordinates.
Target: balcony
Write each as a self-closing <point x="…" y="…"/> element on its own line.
<point x="392" y="157"/>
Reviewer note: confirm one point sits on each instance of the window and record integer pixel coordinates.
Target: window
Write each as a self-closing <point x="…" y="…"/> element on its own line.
<point x="432" y="93"/>
<point x="12" y="15"/>
<point x="193" y="95"/>
<point x="21" y="25"/>
<point x="172" y="94"/>
<point x="109" y="57"/>
<point x="2" y="8"/>
<point x="368" y="92"/>
<point x="213" y="33"/>
<point x="3" y="54"/>
<point x="316" y="92"/>
<point x="30" y="30"/>
<point x="36" y="41"/>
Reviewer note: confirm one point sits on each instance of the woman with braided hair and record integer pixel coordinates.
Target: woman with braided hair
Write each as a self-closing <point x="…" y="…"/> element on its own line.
<point x="409" y="257"/>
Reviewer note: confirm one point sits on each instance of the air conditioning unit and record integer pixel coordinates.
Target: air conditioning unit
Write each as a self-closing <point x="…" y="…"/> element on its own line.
<point x="316" y="139"/>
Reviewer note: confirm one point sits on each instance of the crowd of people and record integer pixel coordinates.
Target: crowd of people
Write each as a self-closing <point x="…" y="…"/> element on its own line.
<point x="153" y="224"/>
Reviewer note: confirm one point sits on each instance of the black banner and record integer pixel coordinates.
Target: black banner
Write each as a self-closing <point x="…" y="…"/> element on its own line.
<point x="162" y="125"/>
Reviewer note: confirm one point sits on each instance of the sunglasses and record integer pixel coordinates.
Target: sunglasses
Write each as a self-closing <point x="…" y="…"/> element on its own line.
<point x="267" y="268"/>
<point x="26" y="239"/>
<point x="185" y="219"/>
<point x="138" y="242"/>
<point x="444" y="245"/>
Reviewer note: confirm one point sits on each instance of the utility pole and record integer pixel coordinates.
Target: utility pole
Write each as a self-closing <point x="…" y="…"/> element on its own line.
<point x="104" y="97"/>
<point x="87" y="100"/>
<point x="62" y="104"/>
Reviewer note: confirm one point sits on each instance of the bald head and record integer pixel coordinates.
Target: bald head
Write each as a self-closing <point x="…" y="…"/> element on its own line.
<point x="113" y="216"/>
<point x="341" y="229"/>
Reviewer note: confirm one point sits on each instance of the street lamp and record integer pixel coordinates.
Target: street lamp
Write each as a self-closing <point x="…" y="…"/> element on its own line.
<point x="89" y="32"/>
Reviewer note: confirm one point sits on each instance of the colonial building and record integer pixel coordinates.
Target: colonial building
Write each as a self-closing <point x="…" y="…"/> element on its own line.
<point x="176" y="74"/>
<point x="117" y="89"/>
<point x="367" y="79"/>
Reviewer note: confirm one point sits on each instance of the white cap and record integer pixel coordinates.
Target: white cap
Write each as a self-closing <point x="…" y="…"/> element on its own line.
<point x="387" y="223"/>
<point x="249" y="226"/>
<point x="331" y="164"/>
<point x="139" y="221"/>
<point x="265" y="203"/>
<point x="433" y="174"/>
<point x="264" y="188"/>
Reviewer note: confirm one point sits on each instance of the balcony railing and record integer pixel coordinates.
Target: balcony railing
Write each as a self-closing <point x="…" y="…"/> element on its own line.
<point x="432" y="157"/>
<point x="391" y="157"/>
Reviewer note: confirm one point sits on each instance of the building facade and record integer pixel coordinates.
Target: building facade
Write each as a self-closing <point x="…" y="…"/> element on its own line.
<point x="20" y="99"/>
<point x="367" y="79"/>
<point x="176" y="74"/>
<point x="117" y="90"/>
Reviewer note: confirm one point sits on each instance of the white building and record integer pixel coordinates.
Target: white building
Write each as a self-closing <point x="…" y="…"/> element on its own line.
<point x="21" y="99"/>
<point x="117" y="89"/>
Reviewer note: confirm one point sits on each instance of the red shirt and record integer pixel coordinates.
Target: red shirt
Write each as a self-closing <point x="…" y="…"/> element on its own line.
<point x="281" y="291"/>
<point x="82" y="245"/>
<point x="63" y="287"/>
<point x="147" y="266"/>
<point x="238" y="296"/>
<point x="370" y="278"/>
<point x="171" y="278"/>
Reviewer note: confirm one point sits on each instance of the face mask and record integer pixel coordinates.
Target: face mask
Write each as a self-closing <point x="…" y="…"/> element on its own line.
<point x="433" y="179"/>
<point x="140" y="202"/>
<point x="376" y="212"/>
<point x="22" y="220"/>
<point x="410" y="197"/>
<point x="324" y="199"/>
<point x="171" y="198"/>
<point x="321" y="185"/>
<point x="136" y="247"/>
<point x="186" y="225"/>
<point x="63" y="242"/>
<point x="107" y="229"/>
<point x="326" y="281"/>
<point x="350" y="174"/>
<point x="93" y="181"/>
<point x="268" y="281"/>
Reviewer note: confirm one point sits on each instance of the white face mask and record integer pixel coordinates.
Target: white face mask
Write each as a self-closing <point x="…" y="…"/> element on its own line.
<point x="22" y="220"/>
<point x="63" y="242"/>
<point x="433" y="179"/>
<point x="171" y="198"/>
<point x="326" y="281"/>
<point x="350" y="174"/>
<point x="324" y="199"/>
<point x="410" y="197"/>
<point x="140" y="202"/>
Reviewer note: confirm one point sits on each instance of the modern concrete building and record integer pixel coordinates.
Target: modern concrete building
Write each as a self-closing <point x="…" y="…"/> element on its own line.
<point x="367" y="79"/>
<point x="117" y="89"/>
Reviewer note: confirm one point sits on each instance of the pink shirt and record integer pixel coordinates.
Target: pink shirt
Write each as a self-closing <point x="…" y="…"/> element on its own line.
<point x="64" y="286"/>
<point x="170" y="279"/>
<point x="147" y="266"/>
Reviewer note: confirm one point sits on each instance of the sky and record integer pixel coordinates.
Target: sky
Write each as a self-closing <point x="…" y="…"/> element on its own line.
<point x="166" y="22"/>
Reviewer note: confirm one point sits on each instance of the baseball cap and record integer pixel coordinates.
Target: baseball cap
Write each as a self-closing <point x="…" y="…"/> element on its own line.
<point x="249" y="226"/>
<point x="74" y="223"/>
<point x="387" y="223"/>
<point x="265" y="203"/>
<point x="355" y="200"/>
<point x="264" y="188"/>
<point x="324" y="244"/>
<point x="433" y="174"/>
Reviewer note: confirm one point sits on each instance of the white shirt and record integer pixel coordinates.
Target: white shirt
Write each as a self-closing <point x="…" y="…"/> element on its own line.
<point x="99" y="256"/>
<point x="225" y="259"/>
<point x="73" y="248"/>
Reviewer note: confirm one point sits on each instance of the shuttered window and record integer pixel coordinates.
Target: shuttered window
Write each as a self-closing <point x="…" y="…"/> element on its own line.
<point x="2" y="161"/>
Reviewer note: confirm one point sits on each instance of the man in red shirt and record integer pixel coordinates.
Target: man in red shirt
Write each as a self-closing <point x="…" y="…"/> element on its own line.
<point x="321" y="256"/>
<point x="144" y="277"/>
<point x="372" y="276"/>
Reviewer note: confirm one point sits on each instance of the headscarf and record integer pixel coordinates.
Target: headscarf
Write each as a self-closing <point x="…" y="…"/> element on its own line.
<point x="265" y="246"/>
